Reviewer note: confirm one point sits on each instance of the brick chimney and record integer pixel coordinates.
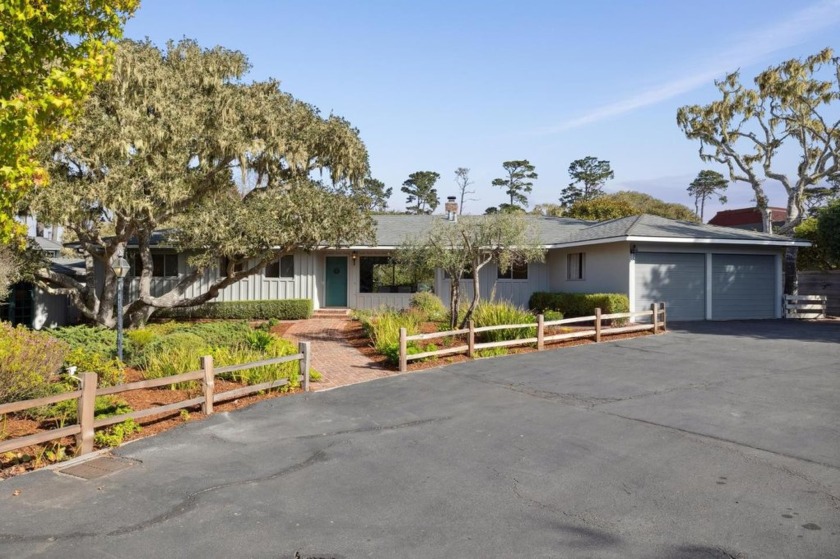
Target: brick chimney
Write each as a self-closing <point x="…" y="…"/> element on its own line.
<point x="451" y="208"/>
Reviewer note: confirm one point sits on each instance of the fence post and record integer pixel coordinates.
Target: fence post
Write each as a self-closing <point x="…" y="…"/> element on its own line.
<point x="654" y="308"/>
<point x="86" y="406"/>
<point x="662" y="324"/>
<point x="208" y="383"/>
<point x="540" y="331"/>
<point x="597" y="324"/>
<point x="403" y="351"/>
<point x="471" y="340"/>
<point x="303" y="347"/>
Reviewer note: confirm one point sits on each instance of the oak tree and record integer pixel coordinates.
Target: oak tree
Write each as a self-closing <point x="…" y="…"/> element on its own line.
<point x="155" y="157"/>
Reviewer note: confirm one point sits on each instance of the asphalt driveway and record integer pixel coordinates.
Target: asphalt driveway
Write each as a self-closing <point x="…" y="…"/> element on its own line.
<point x="716" y="440"/>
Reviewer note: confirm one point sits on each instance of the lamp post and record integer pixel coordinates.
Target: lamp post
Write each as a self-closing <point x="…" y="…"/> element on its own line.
<point x="121" y="269"/>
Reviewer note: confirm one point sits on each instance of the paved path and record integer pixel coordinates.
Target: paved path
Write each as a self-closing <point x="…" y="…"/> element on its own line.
<point x="332" y="356"/>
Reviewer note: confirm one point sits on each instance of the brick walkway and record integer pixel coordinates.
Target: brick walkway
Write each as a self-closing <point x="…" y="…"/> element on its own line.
<point x="339" y="362"/>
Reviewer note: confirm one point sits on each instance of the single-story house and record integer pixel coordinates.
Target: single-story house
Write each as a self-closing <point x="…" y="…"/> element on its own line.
<point x="29" y="305"/>
<point x="701" y="272"/>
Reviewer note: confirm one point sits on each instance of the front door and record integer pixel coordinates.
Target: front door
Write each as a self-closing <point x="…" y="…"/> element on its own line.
<point x="336" y="281"/>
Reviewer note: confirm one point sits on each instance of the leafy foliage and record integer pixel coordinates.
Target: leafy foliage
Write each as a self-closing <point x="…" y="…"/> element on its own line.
<point x="752" y="131"/>
<point x="707" y="184"/>
<point x="91" y="339"/>
<point x="589" y="175"/>
<point x="829" y="229"/>
<point x="626" y="203"/>
<point x="816" y="256"/>
<point x="283" y="309"/>
<point x="422" y="194"/>
<point x="579" y="304"/>
<point x="383" y="328"/>
<point x="159" y="147"/>
<point x="51" y="54"/>
<point x="428" y="306"/>
<point x="467" y="245"/>
<point x="109" y="370"/>
<point x="517" y="183"/>
<point x="503" y="312"/>
<point x="29" y="362"/>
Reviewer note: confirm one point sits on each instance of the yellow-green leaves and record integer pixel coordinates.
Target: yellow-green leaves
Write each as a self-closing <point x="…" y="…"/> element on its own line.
<point x="52" y="53"/>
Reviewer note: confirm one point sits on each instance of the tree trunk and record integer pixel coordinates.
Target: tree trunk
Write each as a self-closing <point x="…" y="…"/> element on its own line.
<point x="791" y="274"/>
<point x="475" y="298"/>
<point x="453" y="302"/>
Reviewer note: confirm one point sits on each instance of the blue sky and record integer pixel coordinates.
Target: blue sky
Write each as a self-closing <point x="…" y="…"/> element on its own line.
<point x="439" y="85"/>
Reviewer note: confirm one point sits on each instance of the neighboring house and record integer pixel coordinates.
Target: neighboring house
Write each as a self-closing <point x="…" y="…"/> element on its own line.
<point x="748" y="218"/>
<point x="32" y="306"/>
<point x="701" y="272"/>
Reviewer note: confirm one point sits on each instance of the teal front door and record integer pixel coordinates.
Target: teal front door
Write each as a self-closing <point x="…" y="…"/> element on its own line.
<point x="336" y="282"/>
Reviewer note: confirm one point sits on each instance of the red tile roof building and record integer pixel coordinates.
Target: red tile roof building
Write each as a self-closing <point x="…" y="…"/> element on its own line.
<point x="747" y="218"/>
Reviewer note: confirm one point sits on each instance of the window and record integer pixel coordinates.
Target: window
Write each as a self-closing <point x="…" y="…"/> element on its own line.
<point x="163" y="265"/>
<point x="283" y="267"/>
<point x="223" y="266"/>
<point x="574" y="266"/>
<point x="517" y="271"/>
<point x="379" y="274"/>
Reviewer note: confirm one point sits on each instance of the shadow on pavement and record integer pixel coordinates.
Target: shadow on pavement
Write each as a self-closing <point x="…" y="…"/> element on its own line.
<point x="827" y="331"/>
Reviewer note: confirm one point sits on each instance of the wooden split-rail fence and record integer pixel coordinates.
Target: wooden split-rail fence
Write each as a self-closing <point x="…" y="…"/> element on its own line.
<point x="88" y="391"/>
<point x="656" y="314"/>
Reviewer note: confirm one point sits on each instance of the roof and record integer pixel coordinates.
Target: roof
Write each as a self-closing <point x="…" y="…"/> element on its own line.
<point x="394" y="230"/>
<point x="746" y="216"/>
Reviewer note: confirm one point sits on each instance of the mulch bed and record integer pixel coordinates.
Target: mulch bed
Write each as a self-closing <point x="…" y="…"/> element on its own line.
<point x="361" y="342"/>
<point x="12" y="426"/>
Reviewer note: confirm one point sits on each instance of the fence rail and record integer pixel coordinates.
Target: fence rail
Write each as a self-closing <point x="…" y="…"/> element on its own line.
<point x="656" y="312"/>
<point x="86" y="397"/>
<point x="805" y="306"/>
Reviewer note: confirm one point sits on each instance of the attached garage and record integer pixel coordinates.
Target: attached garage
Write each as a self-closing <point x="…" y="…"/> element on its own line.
<point x="676" y="279"/>
<point x="736" y="287"/>
<point x="743" y="286"/>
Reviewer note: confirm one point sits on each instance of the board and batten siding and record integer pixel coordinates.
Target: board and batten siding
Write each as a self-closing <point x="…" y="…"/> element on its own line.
<point x="252" y="288"/>
<point x="516" y="291"/>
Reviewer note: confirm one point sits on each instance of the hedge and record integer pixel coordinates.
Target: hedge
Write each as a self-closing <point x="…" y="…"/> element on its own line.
<point x="283" y="309"/>
<point x="579" y="304"/>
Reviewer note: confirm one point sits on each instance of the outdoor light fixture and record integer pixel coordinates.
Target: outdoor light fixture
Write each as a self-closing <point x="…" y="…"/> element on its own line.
<point x="354" y="257"/>
<point x="632" y="249"/>
<point x="121" y="269"/>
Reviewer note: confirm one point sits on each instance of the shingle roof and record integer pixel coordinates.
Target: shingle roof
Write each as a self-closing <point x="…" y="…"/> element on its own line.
<point x="394" y="230"/>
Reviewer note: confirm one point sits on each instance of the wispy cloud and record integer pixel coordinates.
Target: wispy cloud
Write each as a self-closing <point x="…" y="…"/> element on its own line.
<point x="750" y="49"/>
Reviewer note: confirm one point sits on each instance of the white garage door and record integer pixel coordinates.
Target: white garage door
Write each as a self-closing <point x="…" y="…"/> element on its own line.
<point x="743" y="286"/>
<point x="676" y="279"/>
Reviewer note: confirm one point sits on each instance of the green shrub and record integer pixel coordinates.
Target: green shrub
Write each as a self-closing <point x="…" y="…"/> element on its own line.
<point x="384" y="330"/>
<point x="94" y="339"/>
<point x="220" y="334"/>
<point x="110" y="371"/>
<point x="113" y="435"/>
<point x="284" y="309"/>
<point x="29" y="362"/>
<point x="491" y="352"/>
<point x="259" y="339"/>
<point x="579" y="304"/>
<point x="429" y="306"/>
<point x="550" y="315"/>
<point x="503" y="312"/>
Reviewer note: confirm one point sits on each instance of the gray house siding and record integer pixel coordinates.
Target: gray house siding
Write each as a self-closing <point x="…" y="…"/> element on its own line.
<point x="605" y="269"/>
<point x="516" y="291"/>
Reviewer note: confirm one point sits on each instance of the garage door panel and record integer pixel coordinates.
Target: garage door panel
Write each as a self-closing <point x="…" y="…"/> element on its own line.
<point x="676" y="279"/>
<point x="743" y="286"/>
